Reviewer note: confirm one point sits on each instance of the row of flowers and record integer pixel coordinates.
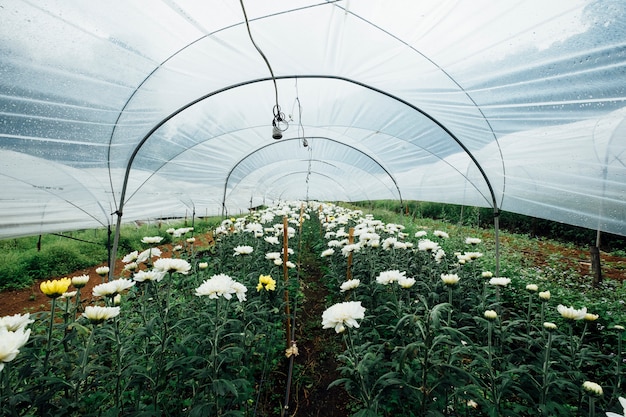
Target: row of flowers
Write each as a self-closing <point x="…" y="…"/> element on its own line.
<point x="427" y="328"/>
<point x="453" y="331"/>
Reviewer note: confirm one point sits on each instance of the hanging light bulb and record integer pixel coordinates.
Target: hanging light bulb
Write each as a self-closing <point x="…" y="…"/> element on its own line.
<point x="279" y="124"/>
<point x="276" y="133"/>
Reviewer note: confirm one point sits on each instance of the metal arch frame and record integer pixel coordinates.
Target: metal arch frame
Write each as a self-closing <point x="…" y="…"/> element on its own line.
<point x="303" y="172"/>
<point x="138" y="147"/>
<point x="312" y="172"/>
<point x="310" y="137"/>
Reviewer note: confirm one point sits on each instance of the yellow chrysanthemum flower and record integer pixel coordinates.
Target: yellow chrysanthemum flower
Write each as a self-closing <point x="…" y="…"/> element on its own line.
<point x="267" y="283"/>
<point x="55" y="288"/>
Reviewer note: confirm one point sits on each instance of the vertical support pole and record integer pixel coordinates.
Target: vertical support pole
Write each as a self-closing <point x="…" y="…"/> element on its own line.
<point x="496" y="225"/>
<point x="350" y="241"/>
<point x="286" y="278"/>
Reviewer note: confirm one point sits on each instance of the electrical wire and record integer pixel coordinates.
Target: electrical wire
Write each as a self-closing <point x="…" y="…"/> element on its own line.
<point x="279" y="118"/>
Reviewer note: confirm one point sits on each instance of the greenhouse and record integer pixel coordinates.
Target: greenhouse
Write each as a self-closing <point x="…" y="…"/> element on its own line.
<point x="275" y="117"/>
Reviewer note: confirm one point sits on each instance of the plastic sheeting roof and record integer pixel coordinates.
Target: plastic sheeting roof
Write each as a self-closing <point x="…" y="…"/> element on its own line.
<point x="166" y="106"/>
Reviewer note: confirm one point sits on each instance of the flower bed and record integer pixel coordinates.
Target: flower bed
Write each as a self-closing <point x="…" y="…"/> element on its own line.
<point x="425" y="327"/>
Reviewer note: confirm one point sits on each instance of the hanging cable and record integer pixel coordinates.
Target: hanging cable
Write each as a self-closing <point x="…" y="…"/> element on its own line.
<point x="305" y="142"/>
<point x="279" y="123"/>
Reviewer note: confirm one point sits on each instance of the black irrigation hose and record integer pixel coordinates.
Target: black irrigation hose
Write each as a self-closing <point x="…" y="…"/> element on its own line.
<point x="80" y="240"/>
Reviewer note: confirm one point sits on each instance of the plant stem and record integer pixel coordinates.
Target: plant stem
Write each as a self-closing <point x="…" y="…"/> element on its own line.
<point x="49" y="347"/>
<point x="546" y="365"/>
<point x="618" y="371"/>
<point x="83" y="365"/>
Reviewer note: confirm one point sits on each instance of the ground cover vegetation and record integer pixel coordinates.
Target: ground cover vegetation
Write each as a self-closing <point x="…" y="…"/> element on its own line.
<point x="415" y="322"/>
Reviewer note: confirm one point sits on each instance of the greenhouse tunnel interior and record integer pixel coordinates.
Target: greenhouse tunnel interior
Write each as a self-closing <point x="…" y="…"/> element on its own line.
<point x="118" y="111"/>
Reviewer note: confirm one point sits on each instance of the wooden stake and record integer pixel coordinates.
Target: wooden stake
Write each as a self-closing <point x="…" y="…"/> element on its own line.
<point x="286" y="278"/>
<point x="350" y="241"/>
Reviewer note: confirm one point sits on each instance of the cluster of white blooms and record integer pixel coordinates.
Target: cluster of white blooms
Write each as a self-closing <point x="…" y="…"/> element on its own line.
<point x="179" y="232"/>
<point x="222" y="285"/>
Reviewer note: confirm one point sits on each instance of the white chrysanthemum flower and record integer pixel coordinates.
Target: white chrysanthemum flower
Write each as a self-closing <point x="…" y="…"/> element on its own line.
<point x="181" y="231"/>
<point x="487" y="274"/>
<point x="172" y="265"/>
<point x="532" y="287"/>
<point x="112" y="288"/>
<point x="491" y="315"/>
<point x="548" y="325"/>
<point x="170" y="231"/>
<point x="203" y="265"/>
<point x="389" y="243"/>
<point x="148" y="253"/>
<point x="81" y="280"/>
<point x="427" y="245"/>
<point x="350" y="285"/>
<point x="500" y="281"/>
<point x="190" y="240"/>
<point x="472" y="241"/>
<point x="131" y="257"/>
<point x="290" y="265"/>
<point x="69" y="294"/>
<point x="334" y="244"/>
<point x="152" y="240"/>
<point x="421" y="233"/>
<point x="243" y="250"/>
<point x="450" y="279"/>
<point x="222" y="285"/>
<point x="571" y="313"/>
<point x="388" y="277"/>
<point x="592" y="388"/>
<point x="406" y="283"/>
<point x="342" y="315"/>
<point x="153" y="275"/>
<point x="441" y="234"/>
<point x="131" y="266"/>
<point x="350" y="248"/>
<point x="272" y="255"/>
<point x="278" y="261"/>
<point x="439" y="255"/>
<point x="272" y="240"/>
<point x="177" y="248"/>
<point x="591" y="317"/>
<point x="15" y="322"/>
<point x="10" y="344"/>
<point x="240" y="291"/>
<point x="102" y="270"/>
<point x="472" y="255"/>
<point x="544" y="295"/>
<point x="327" y="252"/>
<point x="98" y="314"/>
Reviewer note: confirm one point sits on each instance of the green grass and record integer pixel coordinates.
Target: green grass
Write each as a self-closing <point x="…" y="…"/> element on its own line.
<point x="25" y="260"/>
